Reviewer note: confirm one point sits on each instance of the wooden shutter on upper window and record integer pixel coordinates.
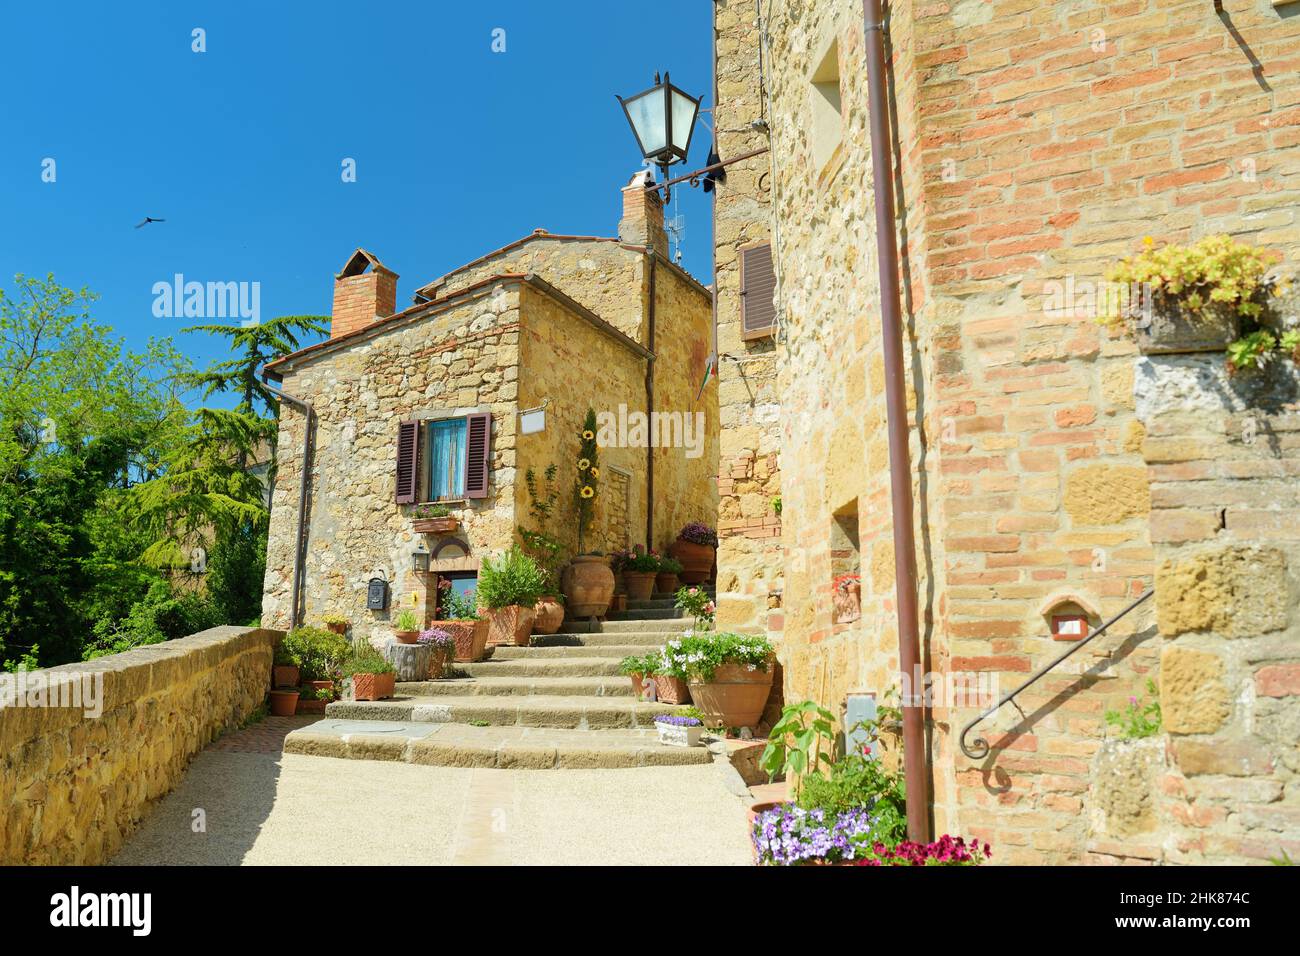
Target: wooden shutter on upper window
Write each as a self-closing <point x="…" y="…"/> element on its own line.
<point x="408" y="462"/>
<point x="757" y="285"/>
<point x="478" y="454"/>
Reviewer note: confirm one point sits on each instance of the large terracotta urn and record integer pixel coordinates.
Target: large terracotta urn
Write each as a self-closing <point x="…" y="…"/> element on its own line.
<point x="588" y="585"/>
<point x="696" y="559"/>
<point x="735" y="697"/>
<point x="548" y="615"/>
<point x="512" y="624"/>
<point x="471" y="638"/>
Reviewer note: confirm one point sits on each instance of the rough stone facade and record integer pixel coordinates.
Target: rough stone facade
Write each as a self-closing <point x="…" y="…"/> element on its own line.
<point x="1039" y="143"/>
<point x="73" y="787"/>
<point x="562" y="321"/>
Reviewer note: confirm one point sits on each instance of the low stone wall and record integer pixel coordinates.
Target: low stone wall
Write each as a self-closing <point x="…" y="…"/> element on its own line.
<point x="75" y="781"/>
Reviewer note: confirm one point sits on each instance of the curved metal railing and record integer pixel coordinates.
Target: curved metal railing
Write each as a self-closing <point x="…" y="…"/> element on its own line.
<point x="979" y="747"/>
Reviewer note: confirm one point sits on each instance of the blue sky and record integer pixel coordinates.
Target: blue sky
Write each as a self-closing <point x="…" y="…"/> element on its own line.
<point x="458" y="149"/>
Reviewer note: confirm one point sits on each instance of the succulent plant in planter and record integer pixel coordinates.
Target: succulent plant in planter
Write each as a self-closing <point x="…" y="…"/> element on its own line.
<point x="508" y="588"/>
<point x="373" y="678"/>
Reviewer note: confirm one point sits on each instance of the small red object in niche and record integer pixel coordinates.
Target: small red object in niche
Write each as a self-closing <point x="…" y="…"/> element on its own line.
<point x="1069" y="627"/>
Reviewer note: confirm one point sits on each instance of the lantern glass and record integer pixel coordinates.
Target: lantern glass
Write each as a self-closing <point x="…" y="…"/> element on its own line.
<point x="420" y="559"/>
<point x="649" y="120"/>
<point x="684" y="110"/>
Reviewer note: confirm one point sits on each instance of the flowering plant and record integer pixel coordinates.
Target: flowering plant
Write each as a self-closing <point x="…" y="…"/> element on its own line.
<point x="643" y="561"/>
<point x="673" y="720"/>
<point x="789" y="836"/>
<point x="453" y="606"/>
<point x="945" y="851"/>
<point x="427" y="511"/>
<point x="436" y="638"/>
<point x="696" y="656"/>
<point x="697" y="603"/>
<point x="697" y="532"/>
<point x="586" y="481"/>
<point x="618" y="559"/>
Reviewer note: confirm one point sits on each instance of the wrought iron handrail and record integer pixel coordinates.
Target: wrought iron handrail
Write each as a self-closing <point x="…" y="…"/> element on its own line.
<point x="979" y="747"/>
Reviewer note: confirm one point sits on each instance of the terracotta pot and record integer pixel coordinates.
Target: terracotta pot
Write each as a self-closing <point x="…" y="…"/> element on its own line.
<point x="406" y="637"/>
<point x="666" y="582"/>
<point x="636" y="685"/>
<point x="619" y="603"/>
<point x="434" y="525"/>
<point x="696" y="559"/>
<point x="548" y="615"/>
<point x="284" y="703"/>
<point x="755" y="810"/>
<point x="311" y="706"/>
<point x="671" y="690"/>
<point x="285" y="675"/>
<point x="620" y="584"/>
<point x="340" y="627"/>
<point x="640" y="584"/>
<point x="510" y="625"/>
<point x="735" y="697"/>
<point x="373" y="686"/>
<point x="588" y="585"/>
<point x="322" y="685"/>
<point x="439" y="663"/>
<point x="471" y="638"/>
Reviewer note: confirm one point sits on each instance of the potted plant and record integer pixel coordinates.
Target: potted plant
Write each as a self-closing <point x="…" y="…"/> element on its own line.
<point x="433" y="519"/>
<point x="697" y="603"/>
<point x="373" y="678"/>
<point x="729" y="675"/>
<point x="285" y="666"/>
<point x="679" y="731"/>
<point x="508" y="587"/>
<point x="669" y="677"/>
<point x="696" y="548"/>
<point x="588" y="582"/>
<point x="639" y="572"/>
<point x="666" y="580"/>
<point x="336" y="623"/>
<point x="320" y="654"/>
<point x="638" y="670"/>
<point x="407" y="626"/>
<point x="1189" y="298"/>
<point x="458" y="616"/>
<point x="312" y="699"/>
<point x="443" y="645"/>
<point x="284" y="701"/>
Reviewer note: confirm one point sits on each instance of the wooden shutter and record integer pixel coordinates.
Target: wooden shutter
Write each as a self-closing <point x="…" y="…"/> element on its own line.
<point x="757" y="285"/>
<point x="408" y="462"/>
<point x="478" y="454"/>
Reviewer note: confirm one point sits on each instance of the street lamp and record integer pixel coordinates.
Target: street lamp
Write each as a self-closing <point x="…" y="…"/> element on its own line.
<point x="662" y="120"/>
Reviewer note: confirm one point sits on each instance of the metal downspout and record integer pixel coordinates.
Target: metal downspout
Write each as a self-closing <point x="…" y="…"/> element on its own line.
<point x="300" y="551"/>
<point x="649" y="409"/>
<point x="900" y="468"/>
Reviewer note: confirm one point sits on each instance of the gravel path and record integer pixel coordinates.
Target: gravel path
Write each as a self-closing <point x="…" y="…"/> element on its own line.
<point x="273" y="808"/>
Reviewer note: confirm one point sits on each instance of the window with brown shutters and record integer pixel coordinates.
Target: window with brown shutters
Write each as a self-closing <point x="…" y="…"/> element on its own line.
<point x="757" y="285"/>
<point x="408" y="461"/>
<point x="478" y="457"/>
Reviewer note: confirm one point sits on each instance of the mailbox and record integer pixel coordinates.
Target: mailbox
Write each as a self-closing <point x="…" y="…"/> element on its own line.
<point x="377" y="595"/>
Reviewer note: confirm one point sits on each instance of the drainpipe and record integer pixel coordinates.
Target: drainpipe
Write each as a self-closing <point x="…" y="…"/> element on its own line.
<point x="300" y="552"/>
<point x="900" y="467"/>
<point x="649" y="408"/>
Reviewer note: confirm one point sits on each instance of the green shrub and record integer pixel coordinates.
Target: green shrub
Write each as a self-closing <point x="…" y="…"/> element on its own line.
<point x="318" y="652"/>
<point x="366" y="660"/>
<point x="512" y="578"/>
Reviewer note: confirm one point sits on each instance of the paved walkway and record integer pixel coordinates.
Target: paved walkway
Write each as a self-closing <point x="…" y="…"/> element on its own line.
<point x="262" y="806"/>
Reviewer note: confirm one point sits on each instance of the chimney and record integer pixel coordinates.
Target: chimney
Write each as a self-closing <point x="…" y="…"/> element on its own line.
<point x="643" y="215"/>
<point x="364" y="290"/>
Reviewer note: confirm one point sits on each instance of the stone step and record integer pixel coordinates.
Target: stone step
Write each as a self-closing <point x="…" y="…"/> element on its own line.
<point x="494" y="686"/>
<point x="572" y="712"/>
<point x="614" y="652"/>
<point x="646" y="614"/>
<point x="651" y="604"/>
<point x="544" y="667"/>
<point x="626" y="627"/>
<point x="505" y="748"/>
<point x="643" y="638"/>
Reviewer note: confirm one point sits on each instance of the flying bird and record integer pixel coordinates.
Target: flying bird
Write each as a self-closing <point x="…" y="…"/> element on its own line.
<point x="147" y="220"/>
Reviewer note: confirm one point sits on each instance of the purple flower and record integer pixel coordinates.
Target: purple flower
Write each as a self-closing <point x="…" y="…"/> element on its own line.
<point x="675" y="721"/>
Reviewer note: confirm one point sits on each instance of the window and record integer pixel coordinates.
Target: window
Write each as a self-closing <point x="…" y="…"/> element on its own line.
<point x="824" y="103"/>
<point x="444" y="442"/>
<point x="443" y="458"/>
<point x="463" y="583"/>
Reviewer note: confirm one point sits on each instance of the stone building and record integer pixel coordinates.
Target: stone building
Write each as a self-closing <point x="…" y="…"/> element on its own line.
<point x="423" y="405"/>
<point x="1057" y="474"/>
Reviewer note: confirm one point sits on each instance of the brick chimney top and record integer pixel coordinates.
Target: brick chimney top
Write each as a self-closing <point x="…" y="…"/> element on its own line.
<point x="364" y="290"/>
<point x="643" y="214"/>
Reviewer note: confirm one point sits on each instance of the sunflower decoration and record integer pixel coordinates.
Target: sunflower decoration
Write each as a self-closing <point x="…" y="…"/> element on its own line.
<point x="584" y="487"/>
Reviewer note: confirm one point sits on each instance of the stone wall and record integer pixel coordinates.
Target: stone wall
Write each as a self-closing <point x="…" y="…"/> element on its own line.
<point x="73" y="787"/>
<point x="749" y="478"/>
<point x="1224" y="458"/>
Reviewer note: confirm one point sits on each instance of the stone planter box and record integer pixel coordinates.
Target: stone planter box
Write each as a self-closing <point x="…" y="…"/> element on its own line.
<point x="673" y="736"/>
<point x="1173" y="329"/>
<point x="435" y="525"/>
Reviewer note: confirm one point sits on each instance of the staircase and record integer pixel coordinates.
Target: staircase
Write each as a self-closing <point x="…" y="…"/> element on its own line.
<point x="559" y="703"/>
